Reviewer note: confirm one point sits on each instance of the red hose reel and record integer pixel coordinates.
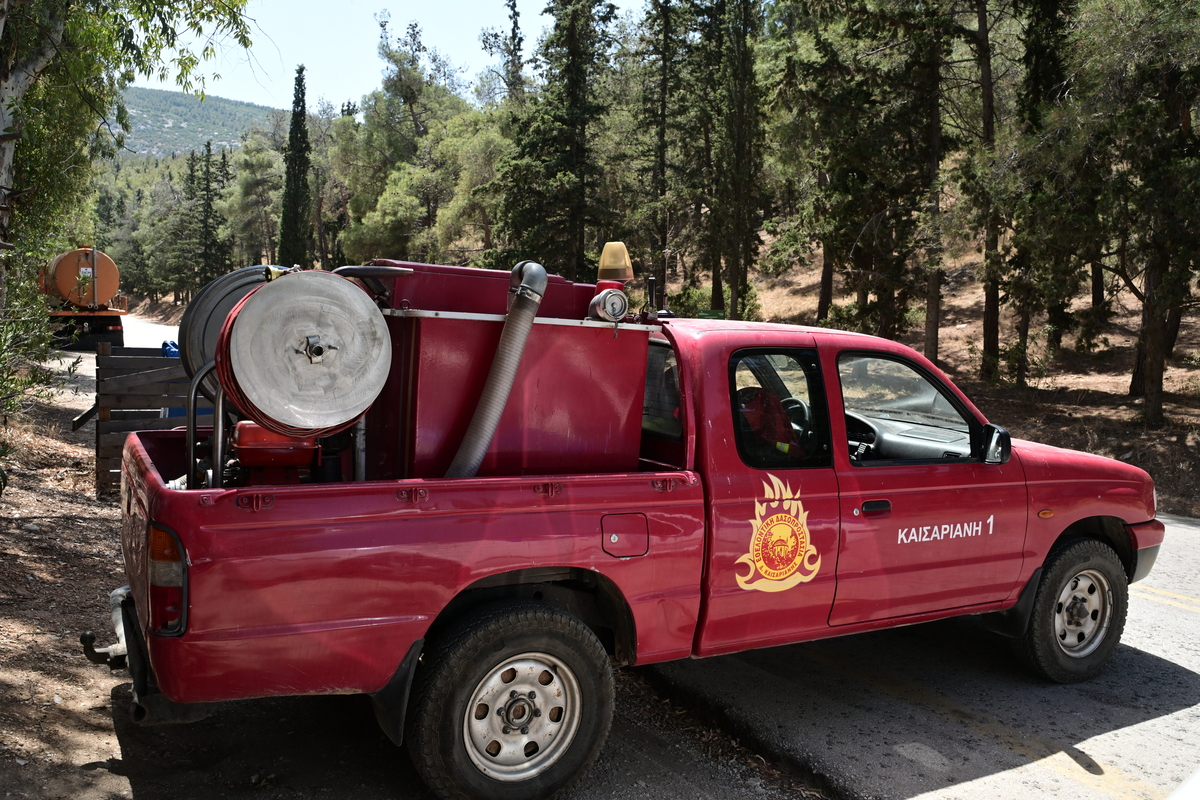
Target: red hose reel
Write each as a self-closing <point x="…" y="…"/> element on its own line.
<point x="304" y="355"/>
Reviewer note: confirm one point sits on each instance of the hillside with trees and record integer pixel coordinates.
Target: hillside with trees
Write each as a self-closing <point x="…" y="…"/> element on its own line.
<point x="162" y="123"/>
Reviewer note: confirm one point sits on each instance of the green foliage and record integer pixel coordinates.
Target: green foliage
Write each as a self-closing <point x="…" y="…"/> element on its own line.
<point x="1113" y="172"/>
<point x="473" y="150"/>
<point x="1033" y="360"/>
<point x="390" y="162"/>
<point x="26" y="343"/>
<point x="690" y="301"/>
<point x="693" y="300"/>
<point x="64" y="65"/>
<point x="860" y="131"/>
<point x="550" y="187"/>
<point x="295" y="225"/>
<point x="252" y="201"/>
<point x="864" y="109"/>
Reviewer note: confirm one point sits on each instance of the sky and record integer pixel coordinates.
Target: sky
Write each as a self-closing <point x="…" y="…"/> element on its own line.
<point x="337" y="44"/>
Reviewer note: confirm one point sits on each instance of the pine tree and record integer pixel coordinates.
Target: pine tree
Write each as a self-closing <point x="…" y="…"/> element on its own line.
<point x="664" y="31"/>
<point x="864" y="99"/>
<point x="1042" y="276"/>
<point x="739" y="152"/>
<point x="550" y="186"/>
<point x="509" y="49"/>
<point x="294" y="225"/>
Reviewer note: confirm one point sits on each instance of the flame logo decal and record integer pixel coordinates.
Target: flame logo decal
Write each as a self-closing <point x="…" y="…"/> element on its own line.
<point x="781" y="554"/>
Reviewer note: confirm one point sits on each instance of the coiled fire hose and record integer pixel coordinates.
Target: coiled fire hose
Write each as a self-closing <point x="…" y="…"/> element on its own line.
<point x="304" y="355"/>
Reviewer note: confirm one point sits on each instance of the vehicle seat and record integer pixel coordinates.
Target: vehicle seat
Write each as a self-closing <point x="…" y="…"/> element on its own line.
<point x="765" y="425"/>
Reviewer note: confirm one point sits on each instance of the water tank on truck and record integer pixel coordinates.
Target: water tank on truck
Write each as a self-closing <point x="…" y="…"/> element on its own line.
<point x="83" y="285"/>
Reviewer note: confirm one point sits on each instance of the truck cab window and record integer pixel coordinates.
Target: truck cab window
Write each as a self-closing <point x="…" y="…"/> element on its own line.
<point x="894" y="412"/>
<point x="660" y="402"/>
<point x="780" y="417"/>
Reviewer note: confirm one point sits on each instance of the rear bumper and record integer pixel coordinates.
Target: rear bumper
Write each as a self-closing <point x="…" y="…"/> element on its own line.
<point x="150" y="706"/>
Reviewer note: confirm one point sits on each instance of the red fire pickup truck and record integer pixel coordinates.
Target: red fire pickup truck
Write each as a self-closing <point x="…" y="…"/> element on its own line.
<point x="655" y="489"/>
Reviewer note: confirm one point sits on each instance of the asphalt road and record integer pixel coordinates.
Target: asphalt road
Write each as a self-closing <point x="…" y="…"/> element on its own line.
<point x="302" y="748"/>
<point x="944" y="711"/>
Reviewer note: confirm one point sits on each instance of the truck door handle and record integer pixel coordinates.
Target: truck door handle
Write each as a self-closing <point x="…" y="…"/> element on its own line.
<point x="876" y="507"/>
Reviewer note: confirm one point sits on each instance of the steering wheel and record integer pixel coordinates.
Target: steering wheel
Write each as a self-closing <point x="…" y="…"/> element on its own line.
<point x="797" y="411"/>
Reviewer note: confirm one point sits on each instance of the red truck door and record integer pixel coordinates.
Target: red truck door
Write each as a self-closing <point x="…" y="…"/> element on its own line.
<point x="773" y="493"/>
<point x="926" y="525"/>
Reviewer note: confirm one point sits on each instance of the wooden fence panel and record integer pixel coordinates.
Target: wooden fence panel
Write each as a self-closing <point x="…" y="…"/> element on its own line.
<point x="133" y="386"/>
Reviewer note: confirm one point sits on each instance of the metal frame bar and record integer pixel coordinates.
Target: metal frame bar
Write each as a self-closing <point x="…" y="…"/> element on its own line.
<point x="218" y="409"/>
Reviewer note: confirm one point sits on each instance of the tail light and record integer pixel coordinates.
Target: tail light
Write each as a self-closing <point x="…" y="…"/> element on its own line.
<point x="168" y="581"/>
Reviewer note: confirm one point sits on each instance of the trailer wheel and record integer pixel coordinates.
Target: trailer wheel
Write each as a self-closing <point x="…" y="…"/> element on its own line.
<point x="1078" y="613"/>
<point x="515" y="702"/>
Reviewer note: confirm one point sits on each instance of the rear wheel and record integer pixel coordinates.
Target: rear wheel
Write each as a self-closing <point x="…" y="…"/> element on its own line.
<point x="513" y="703"/>
<point x="1078" y="613"/>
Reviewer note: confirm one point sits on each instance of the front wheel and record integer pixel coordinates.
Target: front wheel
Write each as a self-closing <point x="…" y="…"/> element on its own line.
<point x="1078" y="613"/>
<point x="513" y="703"/>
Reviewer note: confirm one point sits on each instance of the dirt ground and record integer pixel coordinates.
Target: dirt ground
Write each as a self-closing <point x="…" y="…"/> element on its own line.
<point x="64" y="731"/>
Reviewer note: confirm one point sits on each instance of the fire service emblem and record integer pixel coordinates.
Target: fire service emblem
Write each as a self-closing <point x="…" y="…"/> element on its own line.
<point x="782" y="554"/>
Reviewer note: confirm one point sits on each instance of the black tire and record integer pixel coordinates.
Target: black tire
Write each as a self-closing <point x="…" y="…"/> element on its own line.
<point x="1078" y="613"/>
<point x="520" y="662"/>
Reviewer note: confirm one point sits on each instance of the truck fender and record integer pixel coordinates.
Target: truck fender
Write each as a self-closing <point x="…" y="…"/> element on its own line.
<point x="391" y="702"/>
<point x="583" y="593"/>
<point x="1013" y="622"/>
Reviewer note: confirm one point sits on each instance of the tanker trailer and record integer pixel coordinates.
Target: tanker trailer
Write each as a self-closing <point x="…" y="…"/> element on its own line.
<point x="82" y="285"/>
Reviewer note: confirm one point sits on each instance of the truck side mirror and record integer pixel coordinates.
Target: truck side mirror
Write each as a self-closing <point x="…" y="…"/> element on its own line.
<point x="997" y="445"/>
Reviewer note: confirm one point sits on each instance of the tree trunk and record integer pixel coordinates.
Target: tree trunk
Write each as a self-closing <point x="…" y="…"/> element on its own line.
<point x="15" y="80"/>
<point x="825" y="298"/>
<point x="862" y="297"/>
<point x="666" y="47"/>
<point x="989" y="369"/>
<point x="886" y="327"/>
<point x="1152" y="343"/>
<point x="1099" y="311"/>
<point x="718" y="288"/>
<point x="735" y="286"/>
<point x="7" y="172"/>
<point x="486" y="222"/>
<point x="1137" y="381"/>
<point x="1023" y="316"/>
<point x="322" y="239"/>
<point x="1174" y="320"/>
<point x="933" y="312"/>
<point x="933" y="282"/>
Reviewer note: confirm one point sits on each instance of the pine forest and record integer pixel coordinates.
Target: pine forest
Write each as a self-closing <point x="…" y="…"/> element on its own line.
<point x="877" y="142"/>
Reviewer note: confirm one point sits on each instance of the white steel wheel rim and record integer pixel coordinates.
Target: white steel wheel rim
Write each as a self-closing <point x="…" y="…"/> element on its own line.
<point x="522" y="717"/>
<point x="1083" y="613"/>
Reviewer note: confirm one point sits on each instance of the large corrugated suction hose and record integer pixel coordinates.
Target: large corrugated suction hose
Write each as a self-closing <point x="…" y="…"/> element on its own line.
<point x="527" y="285"/>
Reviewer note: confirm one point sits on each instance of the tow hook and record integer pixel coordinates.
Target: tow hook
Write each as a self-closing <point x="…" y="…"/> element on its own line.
<point x="113" y="655"/>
